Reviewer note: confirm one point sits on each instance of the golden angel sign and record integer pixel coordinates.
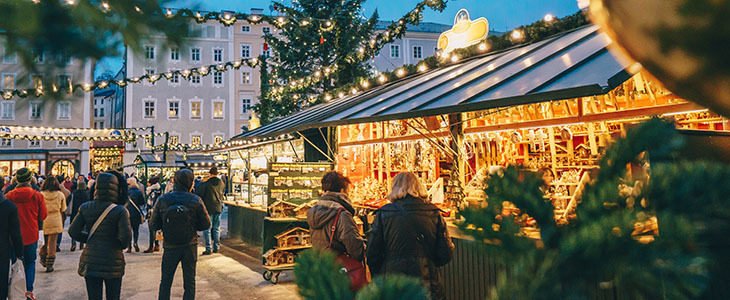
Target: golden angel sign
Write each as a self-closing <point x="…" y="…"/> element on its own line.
<point x="464" y="33"/>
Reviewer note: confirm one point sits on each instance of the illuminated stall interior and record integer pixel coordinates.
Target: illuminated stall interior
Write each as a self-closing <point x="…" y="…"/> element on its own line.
<point x="106" y="155"/>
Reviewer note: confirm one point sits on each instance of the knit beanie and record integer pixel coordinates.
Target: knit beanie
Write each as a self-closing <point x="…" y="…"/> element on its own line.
<point x="23" y="175"/>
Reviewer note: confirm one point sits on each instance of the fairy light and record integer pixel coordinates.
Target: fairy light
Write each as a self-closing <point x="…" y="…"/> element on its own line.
<point x="516" y="34"/>
<point x="137" y="9"/>
<point x="70" y="2"/>
<point x="382" y="78"/>
<point x="548" y="18"/>
<point x="400" y="72"/>
<point x="422" y="68"/>
<point x="454" y="59"/>
<point x="305" y="23"/>
<point x="483" y="47"/>
<point x="104" y="5"/>
<point x="354" y="91"/>
<point x="169" y="12"/>
<point x="328" y="97"/>
<point x="365" y="84"/>
<point x="341" y="94"/>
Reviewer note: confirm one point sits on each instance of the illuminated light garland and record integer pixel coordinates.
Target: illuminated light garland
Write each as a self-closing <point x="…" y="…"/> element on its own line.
<point x="532" y="33"/>
<point x="392" y="32"/>
<point x="203" y="71"/>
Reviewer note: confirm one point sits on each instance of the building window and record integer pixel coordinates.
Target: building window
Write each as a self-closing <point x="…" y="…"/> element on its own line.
<point x="417" y="52"/>
<point x="175" y="78"/>
<point x="195" y="79"/>
<point x="175" y="54"/>
<point x="64" y="81"/>
<point x="217" y="110"/>
<point x="394" y="51"/>
<point x="149" y="52"/>
<point x="217" y="139"/>
<point x="246" y="105"/>
<point x="8" y="110"/>
<point x="101" y="112"/>
<point x="61" y="144"/>
<point x="173" y="109"/>
<point x="34" y="144"/>
<point x="218" y="78"/>
<point x="35" y="110"/>
<point x="195" y="54"/>
<point x="174" y="139"/>
<point x="217" y="55"/>
<point x="246" y="77"/>
<point x="266" y="30"/>
<point x="6" y="143"/>
<point x="149" y="109"/>
<point x="96" y="112"/>
<point x="195" y="109"/>
<point x="64" y="59"/>
<point x="149" y="71"/>
<point x="9" y="58"/>
<point x="36" y="81"/>
<point x="8" y="81"/>
<point x="245" y="28"/>
<point x="195" y="140"/>
<point x="245" y="51"/>
<point x="64" y="111"/>
<point x="265" y="50"/>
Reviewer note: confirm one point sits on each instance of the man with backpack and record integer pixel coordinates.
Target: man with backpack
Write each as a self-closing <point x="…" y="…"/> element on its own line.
<point x="212" y="190"/>
<point x="179" y="214"/>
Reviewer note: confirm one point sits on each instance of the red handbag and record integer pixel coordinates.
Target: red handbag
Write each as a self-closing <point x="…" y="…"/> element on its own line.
<point x="354" y="268"/>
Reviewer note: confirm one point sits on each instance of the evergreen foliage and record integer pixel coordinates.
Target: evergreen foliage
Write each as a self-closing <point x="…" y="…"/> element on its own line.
<point x="82" y="29"/>
<point x="686" y="260"/>
<point x="319" y="276"/>
<point x="298" y="50"/>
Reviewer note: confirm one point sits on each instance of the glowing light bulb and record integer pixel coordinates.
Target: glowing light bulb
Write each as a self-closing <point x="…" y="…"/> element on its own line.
<point x="454" y="58"/>
<point x="354" y="91"/>
<point x="400" y="72"/>
<point x="169" y="12"/>
<point x="548" y="18"/>
<point x="381" y="78"/>
<point x="365" y="84"/>
<point x="103" y="4"/>
<point x="341" y="94"/>
<point x="422" y="68"/>
<point x="482" y="47"/>
<point x="516" y="34"/>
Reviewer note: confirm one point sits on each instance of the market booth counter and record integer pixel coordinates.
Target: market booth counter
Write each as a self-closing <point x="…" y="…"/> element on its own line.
<point x="553" y="106"/>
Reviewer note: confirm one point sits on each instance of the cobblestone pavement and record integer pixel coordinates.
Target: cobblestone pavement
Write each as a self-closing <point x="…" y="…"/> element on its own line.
<point x="225" y="275"/>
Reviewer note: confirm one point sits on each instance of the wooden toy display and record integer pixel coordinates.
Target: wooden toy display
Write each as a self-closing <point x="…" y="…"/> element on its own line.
<point x="281" y="209"/>
<point x="288" y="243"/>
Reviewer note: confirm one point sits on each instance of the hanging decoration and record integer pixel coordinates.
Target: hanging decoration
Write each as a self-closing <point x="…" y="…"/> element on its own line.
<point x="65" y="134"/>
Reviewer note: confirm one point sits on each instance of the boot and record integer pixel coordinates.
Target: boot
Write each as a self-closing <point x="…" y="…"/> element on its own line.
<point x="129" y="250"/>
<point x="73" y="247"/>
<point x="157" y="248"/>
<point x="136" y="247"/>
<point x="150" y="249"/>
<point x="42" y="255"/>
<point x="49" y="263"/>
<point x="81" y="246"/>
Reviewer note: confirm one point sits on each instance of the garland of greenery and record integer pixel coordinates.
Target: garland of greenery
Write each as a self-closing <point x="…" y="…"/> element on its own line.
<point x="527" y="34"/>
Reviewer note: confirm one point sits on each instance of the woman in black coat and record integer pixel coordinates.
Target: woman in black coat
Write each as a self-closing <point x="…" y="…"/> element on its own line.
<point x="10" y="239"/>
<point x="134" y="206"/>
<point x="102" y="261"/>
<point x="409" y="236"/>
<point x="78" y="197"/>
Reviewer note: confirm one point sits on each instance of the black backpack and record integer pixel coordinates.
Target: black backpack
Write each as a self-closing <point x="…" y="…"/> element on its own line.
<point x="177" y="225"/>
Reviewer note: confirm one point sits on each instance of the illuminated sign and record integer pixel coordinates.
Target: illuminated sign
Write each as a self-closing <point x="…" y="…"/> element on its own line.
<point x="464" y="33"/>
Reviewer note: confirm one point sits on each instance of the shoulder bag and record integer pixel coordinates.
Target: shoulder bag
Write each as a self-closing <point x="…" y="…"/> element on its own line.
<point x="141" y="215"/>
<point x="355" y="269"/>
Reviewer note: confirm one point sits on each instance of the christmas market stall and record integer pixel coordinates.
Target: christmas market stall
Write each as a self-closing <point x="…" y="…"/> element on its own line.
<point x="106" y="155"/>
<point x="201" y="163"/>
<point x="158" y="164"/>
<point x="273" y="183"/>
<point x="551" y="106"/>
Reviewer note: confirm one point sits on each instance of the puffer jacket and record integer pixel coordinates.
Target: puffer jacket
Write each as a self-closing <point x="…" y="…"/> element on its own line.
<point x="192" y="202"/>
<point x="213" y="193"/>
<point x="102" y="256"/>
<point x="55" y="206"/>
<point x="410" y="237"/>
<point x="321" y="217"/>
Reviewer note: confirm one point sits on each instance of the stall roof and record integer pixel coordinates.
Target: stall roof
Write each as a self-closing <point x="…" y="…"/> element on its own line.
<point x="572" y="64"/>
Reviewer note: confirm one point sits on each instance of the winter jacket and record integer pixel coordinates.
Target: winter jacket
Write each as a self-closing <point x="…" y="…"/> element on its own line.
<point x="135" y="212"/>
<point x="213" y="193"/>
<point x="78" y="197"/>
<point x="192" y="202"/>
<point x="102" y="257"/>
<point x="10" y="236"/>
<point x="321" y="217"/>
<point x="55" y="207"/>
<point x="31" y="211"/>
<point x="410" y="237"/>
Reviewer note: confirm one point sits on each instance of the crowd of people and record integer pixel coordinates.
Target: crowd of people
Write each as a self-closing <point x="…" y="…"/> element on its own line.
<point x="408" y="236"/>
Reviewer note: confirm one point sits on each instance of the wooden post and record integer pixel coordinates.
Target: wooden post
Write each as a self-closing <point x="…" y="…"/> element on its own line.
<point x="456" y="127"/>
<point x="553" y="151"/>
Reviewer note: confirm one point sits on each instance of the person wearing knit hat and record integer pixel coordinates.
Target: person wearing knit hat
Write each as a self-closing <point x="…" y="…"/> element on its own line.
<point x="31" y="210"/>
<point x="24" y="175"/>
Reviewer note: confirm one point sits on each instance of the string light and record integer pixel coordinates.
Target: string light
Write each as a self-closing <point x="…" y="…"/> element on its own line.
<point x="104" y="5"/>
<point x="548" y="18"/>
<point x="422" y="68"/>
<point x="482" y="47"/>
<point x="516" y="34"/>
<point x="382" y="78"/>
<point x="454" y="59"/>
<point x="400" y="72"/>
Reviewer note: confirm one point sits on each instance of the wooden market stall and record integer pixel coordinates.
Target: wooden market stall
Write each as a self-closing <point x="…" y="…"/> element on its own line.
<point x="553" y="105"/>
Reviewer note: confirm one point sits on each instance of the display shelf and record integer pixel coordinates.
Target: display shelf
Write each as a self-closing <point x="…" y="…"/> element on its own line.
<point x="282" y="219"/>
<point x="279" y="267"/>
<point x="294" y="248"/>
